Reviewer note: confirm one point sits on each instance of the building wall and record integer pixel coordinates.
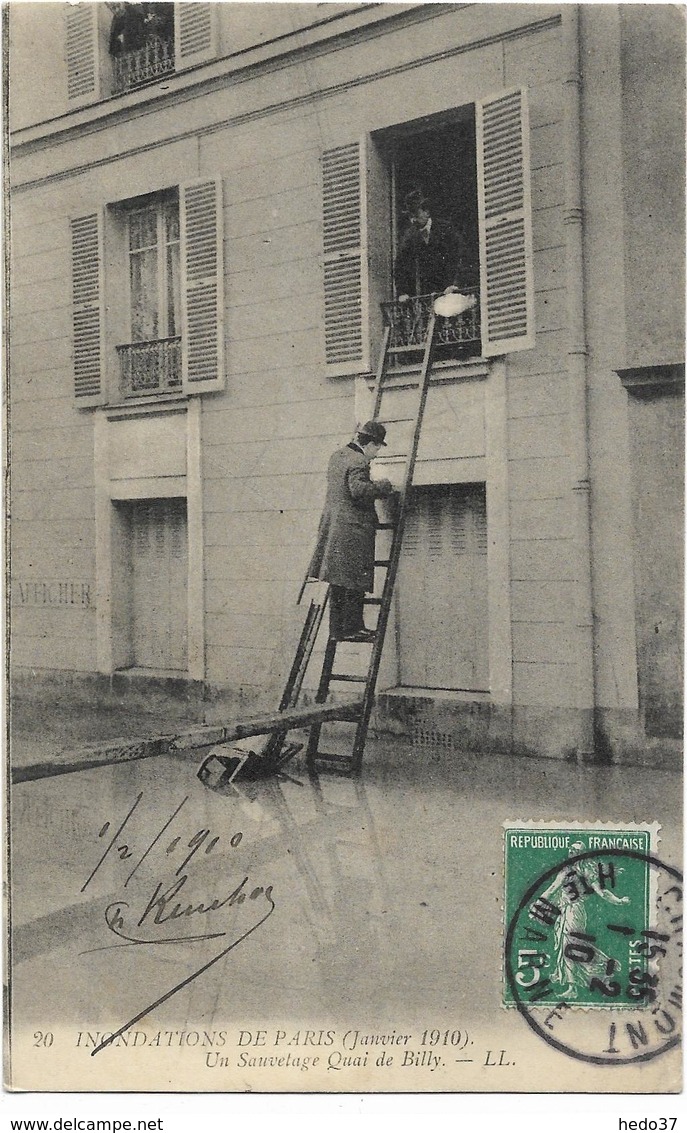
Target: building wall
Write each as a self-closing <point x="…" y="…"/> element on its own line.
<point x="657" y="429"/>
<point x="653" y="133"/>
<point x="38" y="64"/>
<point x="51" y="453"/>
<point x="264" y="442"/>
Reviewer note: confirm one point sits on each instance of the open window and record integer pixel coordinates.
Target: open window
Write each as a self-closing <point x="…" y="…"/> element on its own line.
<point x="116" y="47"/>
<point x="435" y="233"/>
<point x="470" y="169"/>
<point x="140" y="43"/>
<point x="436" y="165"/>
<point x="147" y="296"/>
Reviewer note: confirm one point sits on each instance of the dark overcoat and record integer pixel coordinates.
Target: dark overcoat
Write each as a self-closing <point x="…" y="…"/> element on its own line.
<point x="423" y="268"/>
<point x="345" y="549"/>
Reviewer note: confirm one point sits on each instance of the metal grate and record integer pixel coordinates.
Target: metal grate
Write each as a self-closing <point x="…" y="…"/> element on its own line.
<point x="150" y="367"/>
<point x="409" y="322"/>
<point x="146" y="63"/>
<point x="425" y="735"/>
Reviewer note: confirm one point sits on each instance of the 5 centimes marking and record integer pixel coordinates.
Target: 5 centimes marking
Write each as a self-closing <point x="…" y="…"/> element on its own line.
<point x="600" y="980"/>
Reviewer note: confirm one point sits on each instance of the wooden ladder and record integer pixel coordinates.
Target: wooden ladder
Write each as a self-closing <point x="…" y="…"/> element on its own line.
<point x="275" y="753"/>
<point x="318" y="760"/>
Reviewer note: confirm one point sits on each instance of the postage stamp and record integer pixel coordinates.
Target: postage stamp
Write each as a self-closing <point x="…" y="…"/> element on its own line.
<point x="593" y="945"/>
<point x="562" y="947"/>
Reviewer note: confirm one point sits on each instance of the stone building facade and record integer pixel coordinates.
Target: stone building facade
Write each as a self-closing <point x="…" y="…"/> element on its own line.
<point x="204" y="219"/>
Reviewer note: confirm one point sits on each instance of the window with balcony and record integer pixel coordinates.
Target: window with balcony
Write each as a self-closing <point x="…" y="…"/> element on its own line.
<point x="151" y="359"/>
<point x="470" y="165"/>
<point x="434" y="235"/>
<point x="114" y="48"/>
<point x="141" y="43"/>
<point x="147" y="296"/>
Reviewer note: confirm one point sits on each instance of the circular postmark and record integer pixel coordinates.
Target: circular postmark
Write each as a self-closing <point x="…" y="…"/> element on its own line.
<point x="593" y="956"/>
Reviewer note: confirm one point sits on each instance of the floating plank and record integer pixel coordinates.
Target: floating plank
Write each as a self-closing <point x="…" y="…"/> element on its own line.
<point x="272" y="722"/>
<point x="124" y="750"/>
<point x="95" y="755"/>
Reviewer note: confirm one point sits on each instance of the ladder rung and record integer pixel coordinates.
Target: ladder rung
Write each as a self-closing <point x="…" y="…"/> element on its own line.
<point x="328" y="761"/>
<point x="388" y="560"/>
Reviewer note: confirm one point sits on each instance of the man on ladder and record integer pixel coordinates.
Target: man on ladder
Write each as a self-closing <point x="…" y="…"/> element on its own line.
<point x="345" y="550"/>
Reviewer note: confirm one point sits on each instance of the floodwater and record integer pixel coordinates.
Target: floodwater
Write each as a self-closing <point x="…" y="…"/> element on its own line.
<point x="384" y="893"/>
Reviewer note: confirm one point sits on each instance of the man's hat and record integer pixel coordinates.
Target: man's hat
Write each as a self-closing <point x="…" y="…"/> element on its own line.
<point x="374" y="431"/>
<point x="413" y="201"/>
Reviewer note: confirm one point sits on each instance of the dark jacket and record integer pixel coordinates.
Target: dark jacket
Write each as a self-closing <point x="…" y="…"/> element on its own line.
<point x="345" y="549"/>
<point x="425" y="268"/>
<point x="128" y="29"/>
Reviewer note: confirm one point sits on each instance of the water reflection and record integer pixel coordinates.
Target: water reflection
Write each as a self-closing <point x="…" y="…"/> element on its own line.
<point x="386" y="890"/>
<point x="325" y="826"/>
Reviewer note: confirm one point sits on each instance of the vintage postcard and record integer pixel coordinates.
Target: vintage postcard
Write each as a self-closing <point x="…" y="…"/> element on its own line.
<point x="345" y="415"/>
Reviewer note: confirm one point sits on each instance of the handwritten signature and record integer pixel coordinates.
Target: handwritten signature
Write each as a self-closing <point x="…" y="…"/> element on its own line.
<point x="173" y="903"/>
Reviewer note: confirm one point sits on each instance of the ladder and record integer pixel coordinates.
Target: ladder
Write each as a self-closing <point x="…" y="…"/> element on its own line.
<point x="318" y="760"/>
<point x="221" y="767"/>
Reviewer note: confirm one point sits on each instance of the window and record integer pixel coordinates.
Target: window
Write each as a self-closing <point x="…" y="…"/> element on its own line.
<point x="433" y="170"/>
<point x="472" y="164"/>
<point x="141" y="43"/>
<point x="441" y="162"/>
<point x="112" y="48"/>
<point x="147" y="295"/>
<point x="151" y="359"/>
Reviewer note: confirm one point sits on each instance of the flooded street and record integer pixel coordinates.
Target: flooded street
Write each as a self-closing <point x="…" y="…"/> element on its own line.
<point x="143" y="899"/>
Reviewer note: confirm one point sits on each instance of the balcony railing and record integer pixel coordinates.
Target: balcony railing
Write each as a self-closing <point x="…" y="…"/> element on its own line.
<point x="150" y="367"/>
<point x="146" y="63"/>
<point x="409" y="322"/>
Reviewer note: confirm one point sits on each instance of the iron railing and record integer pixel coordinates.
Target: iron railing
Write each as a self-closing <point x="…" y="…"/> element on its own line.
<point x="409" y="321"/>
<point x="146" y="63"/>
<point x="150" y="367"/>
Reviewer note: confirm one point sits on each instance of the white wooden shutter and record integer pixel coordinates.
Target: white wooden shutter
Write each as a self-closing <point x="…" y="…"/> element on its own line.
<point x="202" y="286"/>
<point x="87" y="258"/>
<point x="195" y="34"/>
<point x="505" y="223"/>
<point x="344" y="232"/>
<point x="159" y="584"/>
<point x="442" y="590"/>
<point x="81" y="30"/>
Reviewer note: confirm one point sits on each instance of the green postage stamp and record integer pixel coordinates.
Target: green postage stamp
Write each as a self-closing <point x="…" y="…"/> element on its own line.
<point x="578" y="901"/>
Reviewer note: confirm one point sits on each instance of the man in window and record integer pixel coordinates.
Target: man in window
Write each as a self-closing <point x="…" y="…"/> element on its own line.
<point x="127" y="32"/>
<point x="345" y="549"/>
<point x="432" y="256"/>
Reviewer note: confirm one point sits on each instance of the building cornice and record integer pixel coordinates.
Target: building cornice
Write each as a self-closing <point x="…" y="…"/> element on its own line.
<point x="182" y="86"/>
<point x="653" y="381"/>
<point x="21" y="148"/>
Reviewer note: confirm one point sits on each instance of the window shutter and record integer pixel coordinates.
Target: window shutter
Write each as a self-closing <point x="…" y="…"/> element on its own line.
<point x="86" y="245"/>
<point x="195" y="34"/>
<point x="505" y="223"/>
<point x="202" y="286"/>
<point x="82" y="52"/>
<point x="345" y="259"/>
